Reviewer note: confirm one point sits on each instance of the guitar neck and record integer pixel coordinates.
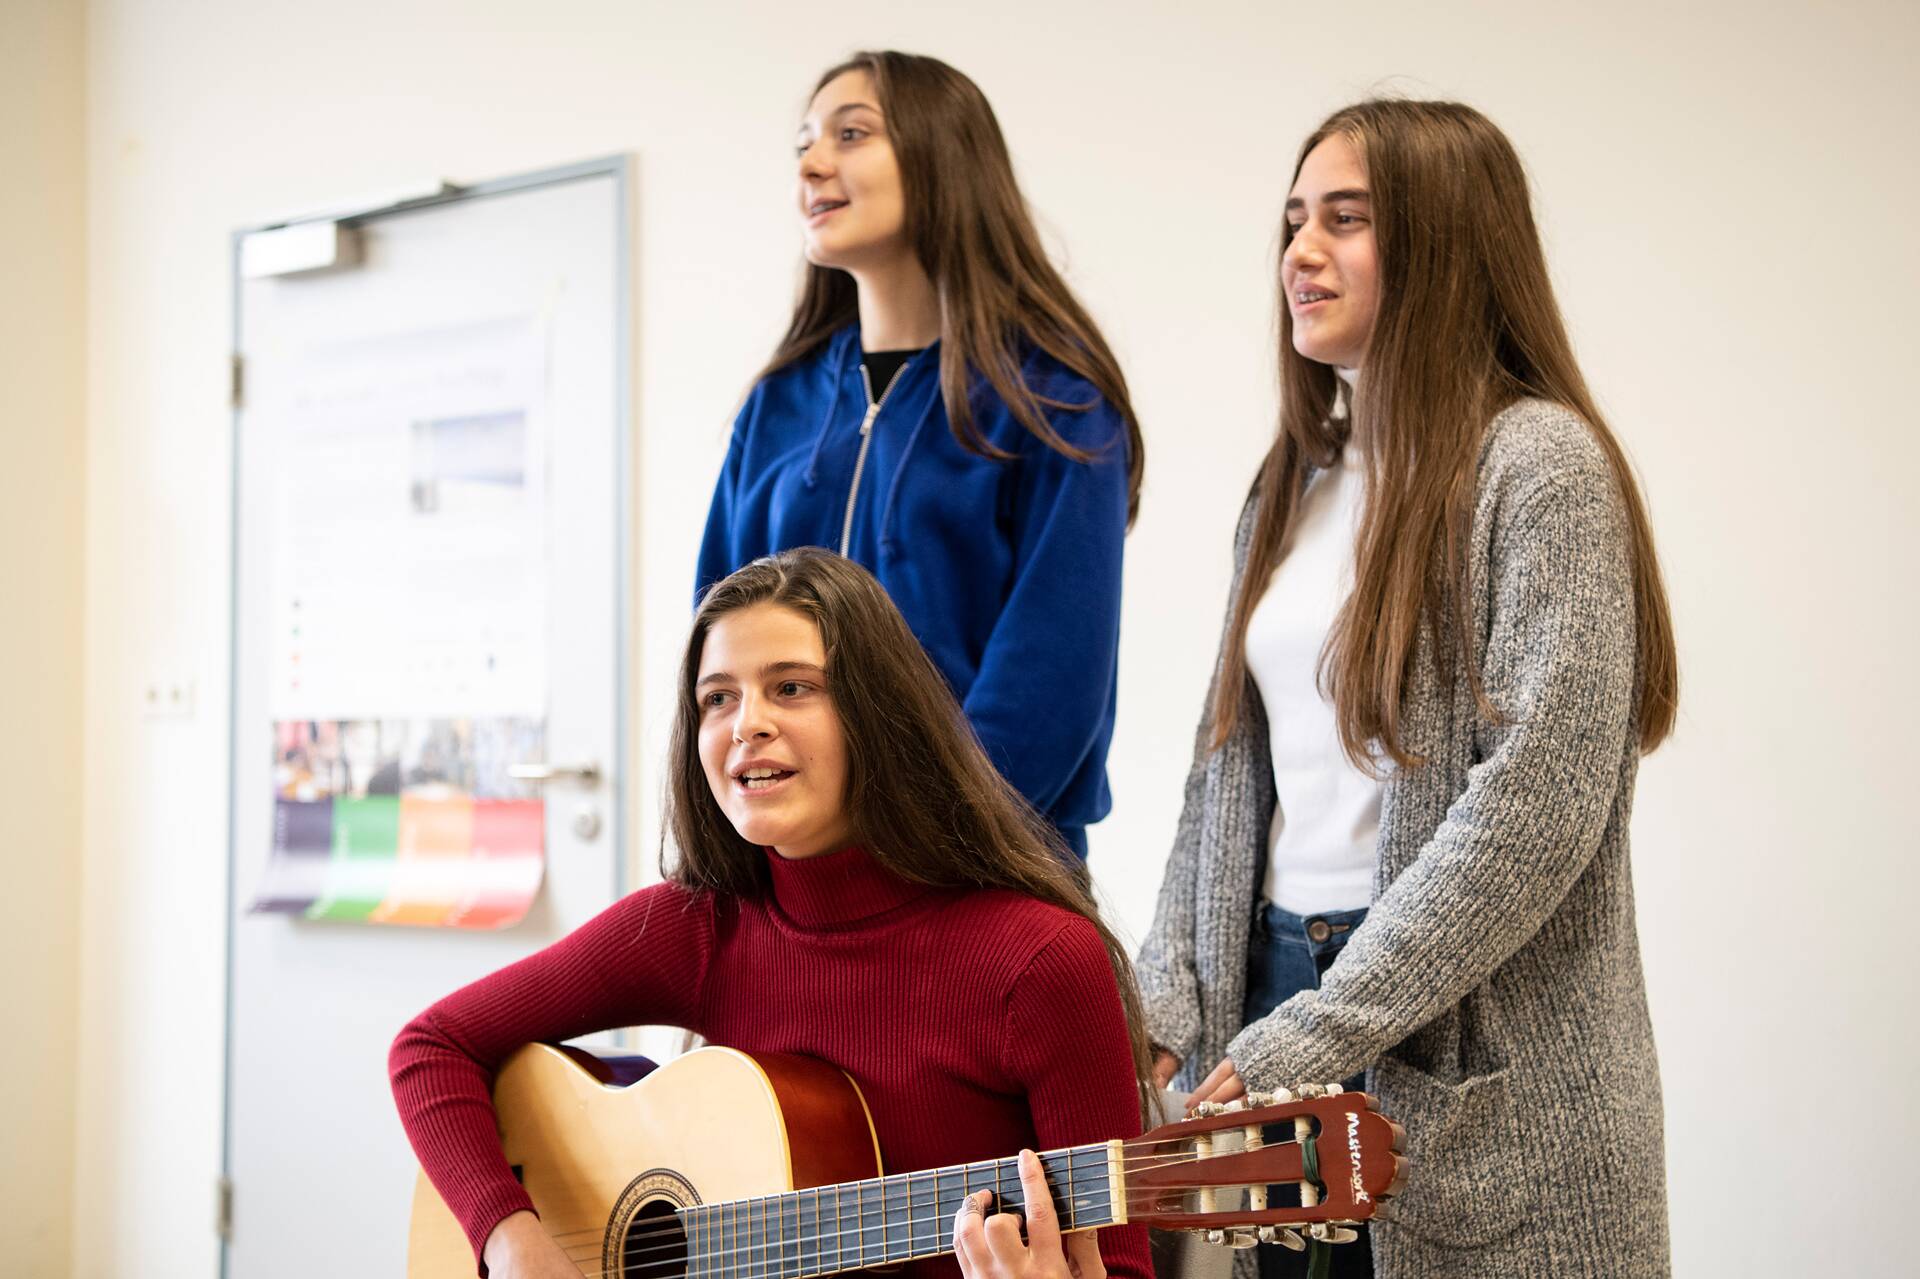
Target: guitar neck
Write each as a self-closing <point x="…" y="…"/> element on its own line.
<point x="824" y="1230"/>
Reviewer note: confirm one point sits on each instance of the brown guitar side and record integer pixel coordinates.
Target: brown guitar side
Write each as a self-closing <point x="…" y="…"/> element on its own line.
<point x="715" y="1124"/>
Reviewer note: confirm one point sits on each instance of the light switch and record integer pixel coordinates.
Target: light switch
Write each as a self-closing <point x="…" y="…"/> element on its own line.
<point x="167" y="698"/>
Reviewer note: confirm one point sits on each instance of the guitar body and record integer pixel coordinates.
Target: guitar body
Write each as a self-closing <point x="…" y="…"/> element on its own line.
<point x="606" y="1165"/>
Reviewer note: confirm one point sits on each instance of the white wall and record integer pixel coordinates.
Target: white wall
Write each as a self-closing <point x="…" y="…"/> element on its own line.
<point x="42" y="480"/>
<point x="1728" y="214"/>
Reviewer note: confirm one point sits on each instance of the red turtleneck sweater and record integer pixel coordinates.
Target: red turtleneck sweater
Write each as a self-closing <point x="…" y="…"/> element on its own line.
<point x="975" y="1022"/>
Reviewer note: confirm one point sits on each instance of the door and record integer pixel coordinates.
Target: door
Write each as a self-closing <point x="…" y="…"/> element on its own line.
<point x="430" y="521"/>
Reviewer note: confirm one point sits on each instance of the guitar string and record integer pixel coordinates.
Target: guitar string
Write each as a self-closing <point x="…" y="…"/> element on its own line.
<point x="776" y="1250"/>
<point x="1095" y="1156"/>
<point x="775" y="1267"/>
<point x="772" y="1265"/>
<point x="772" y="1271"/>
<point x="885" y="1201"/>
<point x="680" y="1235"/>
<point x="685" y="1240"/>
<point x="773" y="1252"/>
<point x="1131" y="1165"/>
<point x="771" y="1258"/>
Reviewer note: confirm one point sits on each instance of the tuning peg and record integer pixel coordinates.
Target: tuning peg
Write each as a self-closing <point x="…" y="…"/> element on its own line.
<point x="1284" y="1237"/>
<point x="1319" y="1090"/>
<point x="1329" y="1233"/>
<point x="1216" y="1236"/>
<point x="1206" y="1110"/>
<point x="1255" y="1100"/>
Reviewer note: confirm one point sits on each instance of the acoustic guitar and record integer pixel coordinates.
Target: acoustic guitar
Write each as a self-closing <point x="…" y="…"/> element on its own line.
<point x="728" y="1165"/>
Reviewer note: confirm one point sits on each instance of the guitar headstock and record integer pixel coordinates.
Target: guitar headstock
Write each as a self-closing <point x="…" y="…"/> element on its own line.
<point x="1209" y="1172"/>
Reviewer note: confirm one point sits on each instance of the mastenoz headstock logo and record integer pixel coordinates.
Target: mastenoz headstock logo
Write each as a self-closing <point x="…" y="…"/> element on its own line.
<point x="1353" y="1158"/>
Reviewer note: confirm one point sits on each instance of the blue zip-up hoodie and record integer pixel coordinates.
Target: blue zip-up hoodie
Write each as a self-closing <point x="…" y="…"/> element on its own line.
<point x="1008" y="572"/>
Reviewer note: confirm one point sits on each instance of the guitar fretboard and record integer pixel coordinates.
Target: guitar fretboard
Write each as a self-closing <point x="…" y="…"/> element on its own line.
<point x="883" y="1221"/>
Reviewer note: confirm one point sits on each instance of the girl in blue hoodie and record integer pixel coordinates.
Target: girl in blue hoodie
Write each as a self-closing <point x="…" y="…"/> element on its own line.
<point x="943" y="411"/>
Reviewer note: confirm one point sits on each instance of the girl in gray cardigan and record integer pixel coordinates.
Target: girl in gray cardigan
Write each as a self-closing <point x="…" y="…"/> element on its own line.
<point x="1495" y="656"/>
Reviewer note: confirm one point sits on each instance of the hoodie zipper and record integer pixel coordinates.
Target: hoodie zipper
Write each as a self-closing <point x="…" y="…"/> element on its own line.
<point x="866" y="438"/>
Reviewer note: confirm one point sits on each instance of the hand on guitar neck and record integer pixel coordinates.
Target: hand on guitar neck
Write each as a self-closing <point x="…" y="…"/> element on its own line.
<point x="520" y="1248"/>
<point x="990" y="1247"/>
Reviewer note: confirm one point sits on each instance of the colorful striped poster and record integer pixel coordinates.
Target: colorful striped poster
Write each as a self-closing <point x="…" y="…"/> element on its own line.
<point x="405" y="822"/>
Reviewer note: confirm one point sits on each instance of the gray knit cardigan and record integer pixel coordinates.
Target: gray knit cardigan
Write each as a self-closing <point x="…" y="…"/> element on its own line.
<point x="1493" y="994"/>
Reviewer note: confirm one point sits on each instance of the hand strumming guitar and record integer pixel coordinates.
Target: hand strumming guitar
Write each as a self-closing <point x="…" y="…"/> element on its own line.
<point x="520" y="1248"/>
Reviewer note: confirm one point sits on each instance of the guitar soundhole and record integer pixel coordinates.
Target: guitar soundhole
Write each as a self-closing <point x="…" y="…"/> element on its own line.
<point x="655" y="1245"/>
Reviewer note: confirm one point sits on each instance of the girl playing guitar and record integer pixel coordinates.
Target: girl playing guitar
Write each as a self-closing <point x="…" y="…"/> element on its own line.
<point x="854" y="882"/>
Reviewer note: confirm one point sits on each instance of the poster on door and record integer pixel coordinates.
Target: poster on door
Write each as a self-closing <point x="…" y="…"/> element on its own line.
<point x="406" y="821"/>
<point x="408" y="656"/>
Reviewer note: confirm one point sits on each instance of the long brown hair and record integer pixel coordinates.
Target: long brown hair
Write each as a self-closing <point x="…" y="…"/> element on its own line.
<point x="922" y="797"/>
<point x="972" y="233"/>
<point x="1467" y="324"/>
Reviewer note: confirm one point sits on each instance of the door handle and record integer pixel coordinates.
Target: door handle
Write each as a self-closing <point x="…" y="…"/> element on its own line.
<point x="587" y="774"/>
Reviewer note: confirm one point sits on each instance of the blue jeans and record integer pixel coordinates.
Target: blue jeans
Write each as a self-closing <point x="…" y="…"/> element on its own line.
<point x="1286" y="954"/>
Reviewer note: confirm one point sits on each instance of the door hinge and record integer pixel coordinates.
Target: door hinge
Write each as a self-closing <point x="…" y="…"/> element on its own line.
<point x="237" y="383"/>
<point x="223" y="1211"/>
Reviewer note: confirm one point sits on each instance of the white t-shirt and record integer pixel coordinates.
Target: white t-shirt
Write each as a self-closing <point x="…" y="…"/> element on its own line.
<point x="1320" y="848"/>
